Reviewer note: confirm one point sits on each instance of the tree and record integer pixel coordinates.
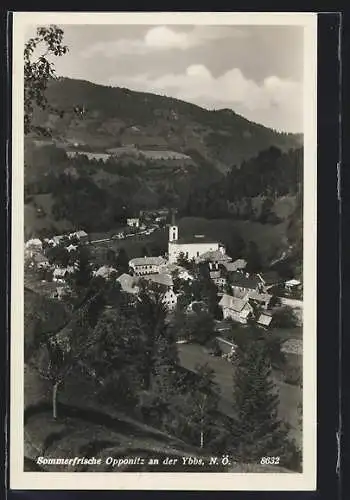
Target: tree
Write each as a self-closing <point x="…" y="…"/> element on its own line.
<point x="65" y="349"/>
<point x="285" y="318"/>
<point x="122" y="261"/>
<point x="267" y="214"/>
<point x="39" y="72"/>
<point x="117" y="356"/>
<point x="257" y="430"/>
<point x="254" y="261"/>
<point x="79" y="280"/>
<point x="199" y="408"/>
<point x="151" y="312"/>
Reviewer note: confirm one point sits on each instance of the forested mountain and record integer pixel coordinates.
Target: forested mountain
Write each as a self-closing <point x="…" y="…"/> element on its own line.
<point x="99" y="117"/>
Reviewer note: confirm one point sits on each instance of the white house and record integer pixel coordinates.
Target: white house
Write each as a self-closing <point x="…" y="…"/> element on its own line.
<point x="142" y="266"/>
<point x="244" y="282"/>
<point x="165" y="280"/>
<point x="190" y="247"/>
<point x="235" y="308"/>
<point x="170" y="299"/>
<point x="71" y="248"/>
<point x="59" y="275"/>
<point x="216" y="275"/>
<point x="133" y="222"/>
<point x="81" y="235"/>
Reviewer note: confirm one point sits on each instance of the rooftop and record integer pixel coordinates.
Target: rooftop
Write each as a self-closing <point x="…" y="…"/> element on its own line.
<point x="147" y="261"/>
<point x="233" y="303"/>
<point x="105" y="271"/>
<point x="293" y="282"/>
<point x="198" y="238"/>
<point x="260" y="297"/>
<point x="236" y="265"/>
<point x="243" y="281"/>
<point x="128" y="283"/>
<point x="264" y="319"/>
<point x="161" y="279"/>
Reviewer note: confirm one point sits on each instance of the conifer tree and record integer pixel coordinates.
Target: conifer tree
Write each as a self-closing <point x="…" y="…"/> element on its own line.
<point x="258" y="432"/>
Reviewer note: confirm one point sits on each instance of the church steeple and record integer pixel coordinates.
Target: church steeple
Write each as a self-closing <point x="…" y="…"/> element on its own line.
<point x="173" y="229"/>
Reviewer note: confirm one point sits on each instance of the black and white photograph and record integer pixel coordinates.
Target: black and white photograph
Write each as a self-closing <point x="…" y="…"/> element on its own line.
<point x="163" y="212"/>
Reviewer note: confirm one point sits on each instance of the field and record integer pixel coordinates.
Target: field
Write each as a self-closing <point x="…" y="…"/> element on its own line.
<point x="268" y="237"/>
<point x="38" y="216"/>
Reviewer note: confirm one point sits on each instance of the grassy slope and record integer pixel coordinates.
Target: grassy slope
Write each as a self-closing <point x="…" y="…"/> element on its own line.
<point x="290" y="396"/>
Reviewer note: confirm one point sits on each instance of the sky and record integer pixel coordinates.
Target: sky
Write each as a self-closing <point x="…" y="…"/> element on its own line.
<point x="255" y="70"/>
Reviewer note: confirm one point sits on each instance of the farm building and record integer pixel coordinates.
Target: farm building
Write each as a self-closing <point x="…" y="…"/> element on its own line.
<point x="133" y="222"/>
<point x="235" y="308"/>
<point x="142" y="266"/>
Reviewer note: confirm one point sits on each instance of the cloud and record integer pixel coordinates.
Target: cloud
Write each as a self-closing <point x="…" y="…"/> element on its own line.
<point x="160" y="38"/>
<point x="275" y="102"/>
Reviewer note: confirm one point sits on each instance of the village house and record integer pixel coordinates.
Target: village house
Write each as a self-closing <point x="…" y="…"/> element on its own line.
<point x="237" y="265"/>
<point x="33" y="246"/>
<point x="216" y="275"/>
<point x="133" y="222"/>
<point x="292" y="285"/>
<point x="38" y="261"/>
<point x="71" y="248"/>
<point x="81" y="235"/>
<point x="106" y="272"/>
<point x="60" y="273"/>
<point x="141" y="266"/>
<point x="261" y="299"/>
<point x="269" y="279"/>
<point x="264" y="320"/>
<point x="234" y="308"/>
<point x="244" y="282"/>
<point x="165" y="281"/>
<point x="128" y="284"/>
<point x="227" y="347"/>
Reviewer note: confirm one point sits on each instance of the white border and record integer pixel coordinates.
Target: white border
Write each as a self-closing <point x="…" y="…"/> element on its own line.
<point x="166" y="481"/>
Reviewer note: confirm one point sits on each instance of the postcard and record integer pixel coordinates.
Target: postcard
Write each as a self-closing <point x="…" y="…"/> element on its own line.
<point x="163" y="205"/>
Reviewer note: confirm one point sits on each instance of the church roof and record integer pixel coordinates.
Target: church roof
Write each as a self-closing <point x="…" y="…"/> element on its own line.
<point x="197" y="239"/>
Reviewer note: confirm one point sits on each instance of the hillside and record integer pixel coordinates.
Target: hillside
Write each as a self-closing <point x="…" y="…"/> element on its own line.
<point x="114" y="152"/>
<point x="117" y="117"/>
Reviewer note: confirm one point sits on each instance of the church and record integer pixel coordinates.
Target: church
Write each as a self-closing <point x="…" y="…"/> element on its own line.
<point x="190" y="247"/>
